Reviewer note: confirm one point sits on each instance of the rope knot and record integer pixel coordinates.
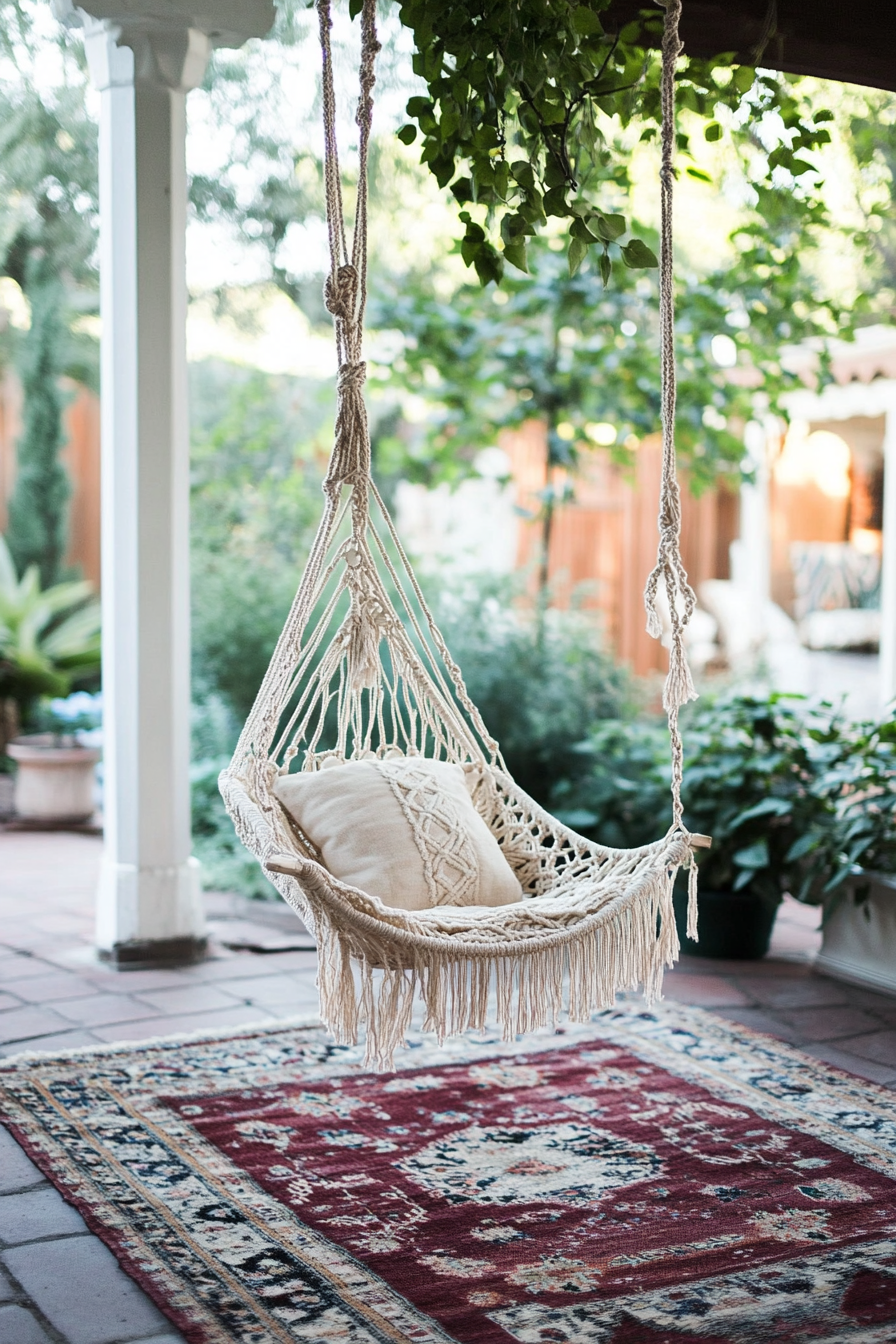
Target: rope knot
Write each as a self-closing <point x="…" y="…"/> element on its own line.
<point x="341" y="293"/>
<point x="351" y="377"/>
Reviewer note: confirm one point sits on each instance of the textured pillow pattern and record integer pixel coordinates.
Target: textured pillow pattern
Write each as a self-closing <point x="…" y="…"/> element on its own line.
<point x="404" y="830"/>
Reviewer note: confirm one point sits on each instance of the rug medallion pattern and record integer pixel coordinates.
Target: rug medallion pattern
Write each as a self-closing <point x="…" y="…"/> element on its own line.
<point x="653" y="1178"/>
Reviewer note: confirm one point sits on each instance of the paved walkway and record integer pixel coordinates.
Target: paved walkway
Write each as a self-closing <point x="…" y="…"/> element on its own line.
<point x="58" y="1282"/>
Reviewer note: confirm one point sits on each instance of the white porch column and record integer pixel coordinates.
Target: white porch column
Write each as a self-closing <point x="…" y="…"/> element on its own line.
<point x="888" y="564"/>
<point x="751" y="553"/>
<point x="149" y="907"/>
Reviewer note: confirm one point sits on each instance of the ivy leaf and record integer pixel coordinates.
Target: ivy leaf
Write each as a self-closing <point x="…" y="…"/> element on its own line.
<point x="419" y="107"/>
<point x="578" y="250"/>
<point x="408" y="134"/>
<point x="555" y="202"/>
<point x="585" y="21"/>
<point x="606" y="267"/>
<point x="713" y="131"/>
<point x="522" y="173"/>
<point x="354" y="8"/>
<point x="487" y="262"/>
<point x="610" y="227"/>
<point x="638" y="256"/>
<point x="699" y="174"/>
<point x="515" y="253"/>
<point x="579" y="229"/>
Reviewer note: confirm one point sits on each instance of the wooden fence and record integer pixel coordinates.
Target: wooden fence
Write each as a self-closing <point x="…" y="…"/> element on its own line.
<point x="81" y="456"/>
<point x="603" y="542"/>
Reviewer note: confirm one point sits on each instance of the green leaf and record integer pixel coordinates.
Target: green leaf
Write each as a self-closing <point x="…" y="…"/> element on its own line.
<point x="754" y="857"/>
<point x="408" y="134"/>
<point x="713" y="131"/>
<point x="515" y="253"/>
<point x="585" y="21"/>
<point x="555" y="202"/>
<point x="610" y="227"/>
<point x="743" y="78"/>
<point x="606" y="268"/>
<point x="798" y="166"/>
<point x="579" y="229"/>
<point x="638" y="256"/>
<point x="804" y="844"/>
<point x="578" y="250"/>
<point x="418" y="107"/>
<point x="774" y="807"/>
<point x="523" y="174"/>
<point x="699" y="174"/>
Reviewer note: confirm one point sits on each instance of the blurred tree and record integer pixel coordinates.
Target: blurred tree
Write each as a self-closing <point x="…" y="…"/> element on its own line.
<point x="583" y="359"/>
<point x="48" y="224"/>
<point x="872" y="139"/>
<point x="257" y="444"/>
<point x="36" y="531"/>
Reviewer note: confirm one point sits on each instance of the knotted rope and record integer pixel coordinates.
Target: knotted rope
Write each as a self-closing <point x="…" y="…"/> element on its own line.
<point x="345" y="294"/>
<point x="679" y="687"/>
<point x="345" y="290"/>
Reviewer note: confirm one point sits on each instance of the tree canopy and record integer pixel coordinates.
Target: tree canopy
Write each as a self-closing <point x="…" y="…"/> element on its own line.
<point x="525" y="113"/>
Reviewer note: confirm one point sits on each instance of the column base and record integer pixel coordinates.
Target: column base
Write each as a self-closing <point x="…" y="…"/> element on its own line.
<point x="150" y="915"/>
<point x="155" y="953"/>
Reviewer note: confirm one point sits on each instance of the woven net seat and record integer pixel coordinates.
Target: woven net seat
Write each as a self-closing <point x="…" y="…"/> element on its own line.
<point x="361" y="671"/>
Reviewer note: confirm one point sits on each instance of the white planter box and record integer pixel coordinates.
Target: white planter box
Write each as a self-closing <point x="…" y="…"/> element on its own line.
<point x="54" y="784"/>
<point x="859" y="942"/>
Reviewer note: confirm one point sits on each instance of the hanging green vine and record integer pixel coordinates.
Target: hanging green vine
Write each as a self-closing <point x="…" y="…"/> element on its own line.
<point x="524" y="105"/>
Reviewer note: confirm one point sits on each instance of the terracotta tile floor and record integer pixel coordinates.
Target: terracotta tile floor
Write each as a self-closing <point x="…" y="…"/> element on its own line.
<point x="55" y="994"/>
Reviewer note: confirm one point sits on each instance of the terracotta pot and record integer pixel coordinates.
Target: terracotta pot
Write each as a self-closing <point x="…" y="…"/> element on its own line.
<point x="54" y="783"/>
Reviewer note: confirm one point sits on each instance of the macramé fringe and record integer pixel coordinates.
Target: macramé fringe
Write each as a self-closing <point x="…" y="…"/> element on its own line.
<point x="530" y="988"/>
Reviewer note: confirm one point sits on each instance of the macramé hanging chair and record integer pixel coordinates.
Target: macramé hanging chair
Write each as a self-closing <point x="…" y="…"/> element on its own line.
<point x="383" y="686"/>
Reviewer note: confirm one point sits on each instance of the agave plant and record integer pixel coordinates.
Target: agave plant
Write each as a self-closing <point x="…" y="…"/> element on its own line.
<point x="49" y="640"/>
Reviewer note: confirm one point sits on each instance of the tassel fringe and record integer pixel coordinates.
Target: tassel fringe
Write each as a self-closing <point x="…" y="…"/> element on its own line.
<point x="364" y="983"/>
<point x="692" y="899"/>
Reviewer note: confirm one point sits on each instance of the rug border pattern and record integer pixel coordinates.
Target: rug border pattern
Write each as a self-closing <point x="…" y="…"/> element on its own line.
<point x="778" y="1081"/>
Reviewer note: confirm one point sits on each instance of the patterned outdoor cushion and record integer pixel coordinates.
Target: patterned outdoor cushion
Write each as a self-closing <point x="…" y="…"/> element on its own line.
<point x="849" y="628"/>
<point x="404" y="830"/>
<point x="828" y="576"/>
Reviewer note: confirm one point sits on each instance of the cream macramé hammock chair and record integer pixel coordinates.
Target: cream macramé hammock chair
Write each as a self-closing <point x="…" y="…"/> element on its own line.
<point x="593" y="920"/>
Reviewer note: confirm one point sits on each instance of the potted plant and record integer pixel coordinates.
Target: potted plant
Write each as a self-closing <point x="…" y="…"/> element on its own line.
<point x="49" y="641"/>
<point x="757" y="779"/>
<point x="853" y="862"/>
<point x="55" y="780"/>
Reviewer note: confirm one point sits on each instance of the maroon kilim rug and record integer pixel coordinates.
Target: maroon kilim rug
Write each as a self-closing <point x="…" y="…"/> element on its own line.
<point x="654" y="1178"/>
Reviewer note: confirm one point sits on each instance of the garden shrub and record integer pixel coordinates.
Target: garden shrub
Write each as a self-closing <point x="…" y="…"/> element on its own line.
<point x="540" y="681"/>
<point x="258" y="445"/>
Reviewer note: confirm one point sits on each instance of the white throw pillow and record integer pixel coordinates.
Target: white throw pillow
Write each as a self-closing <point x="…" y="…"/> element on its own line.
<point x="404" y="830"/>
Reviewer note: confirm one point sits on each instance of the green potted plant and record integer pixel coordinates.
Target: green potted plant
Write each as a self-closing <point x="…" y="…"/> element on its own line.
<point x="852" y="863"/>
<point x="49" y="642"/>
<point x="757" y="778"/>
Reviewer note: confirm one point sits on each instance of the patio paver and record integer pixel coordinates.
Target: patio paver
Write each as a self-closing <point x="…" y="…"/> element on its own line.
<point x="55" y="994"/>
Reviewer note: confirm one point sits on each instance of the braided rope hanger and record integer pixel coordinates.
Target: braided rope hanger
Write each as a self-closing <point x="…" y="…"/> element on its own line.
<point x="345" y="295"/>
